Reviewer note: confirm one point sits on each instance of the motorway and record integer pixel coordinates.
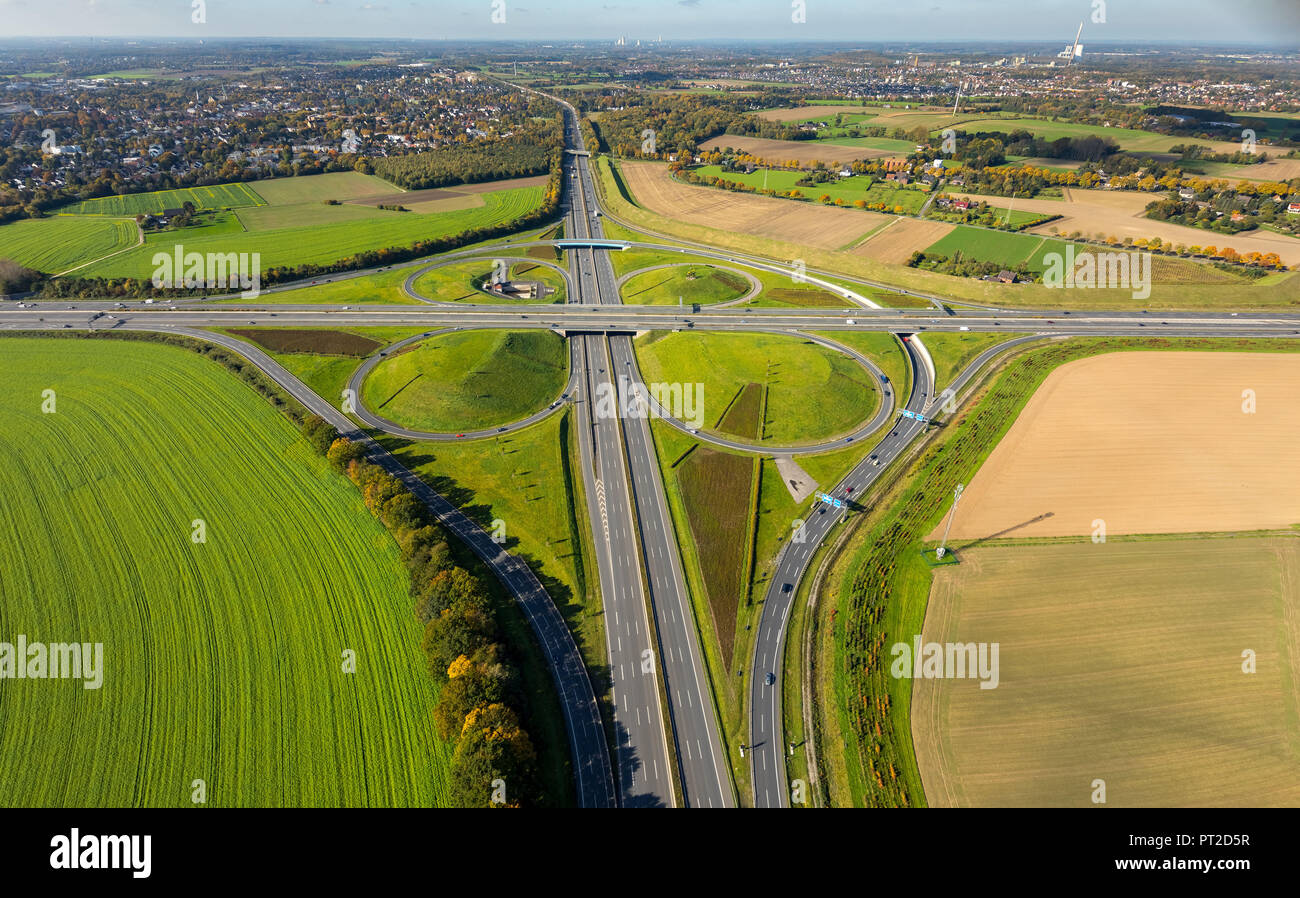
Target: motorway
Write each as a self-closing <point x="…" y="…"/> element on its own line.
<point x="574" y="319"/>
<point x="666" y="733"/>
<point x="642" y="757"/>
<point x="639" y="550"/>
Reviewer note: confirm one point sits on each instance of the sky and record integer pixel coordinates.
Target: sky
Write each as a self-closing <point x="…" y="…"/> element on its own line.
<point x="1248" y="21"/>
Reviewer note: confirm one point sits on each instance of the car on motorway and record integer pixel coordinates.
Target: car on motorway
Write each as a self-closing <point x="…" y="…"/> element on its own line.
<point x="787" y="588"/>
<point x="770" y="679"/>
<point x="963" y="328"/>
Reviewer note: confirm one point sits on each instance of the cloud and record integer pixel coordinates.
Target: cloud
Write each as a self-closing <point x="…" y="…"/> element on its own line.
<point x="693" y="4"/>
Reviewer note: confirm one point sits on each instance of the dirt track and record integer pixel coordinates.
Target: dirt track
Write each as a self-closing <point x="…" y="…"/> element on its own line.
<point x="1149" y="442"/>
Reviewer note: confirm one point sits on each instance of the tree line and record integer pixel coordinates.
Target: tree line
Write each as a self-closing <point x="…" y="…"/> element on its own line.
<point x="680" y="123"/>
<point x="480" y="694"/>
<point x="519" y="156"/>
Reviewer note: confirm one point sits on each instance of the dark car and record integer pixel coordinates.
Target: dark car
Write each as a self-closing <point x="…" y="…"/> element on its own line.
<point x="770" y="679"/>
<point x="788" y="587"/>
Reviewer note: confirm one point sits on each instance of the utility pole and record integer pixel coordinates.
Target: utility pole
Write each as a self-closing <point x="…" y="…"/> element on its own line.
<point x="956" y="497"/>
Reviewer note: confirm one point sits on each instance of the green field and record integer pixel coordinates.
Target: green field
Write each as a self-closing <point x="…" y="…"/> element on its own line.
<point x="1134" y="141"/>
<point x="1011" y="249"/>
<point x="813" y="393"/>
<point x="951" y="353"/>
<point x="341" y="186"/>
<point x="325" y="243"/>
<point x="381" y="287"/>
<point x="850" y="190"/>
<point x="300" y="215"/>
<point x="222" y="660"/>
<point x="703" y="284"/>
<point x="994" y="246"/>
<point x="219" y="196"/>
<point x="468" y="380"/>
<point x="462" y="282"/>
<point x="53" y="245"/>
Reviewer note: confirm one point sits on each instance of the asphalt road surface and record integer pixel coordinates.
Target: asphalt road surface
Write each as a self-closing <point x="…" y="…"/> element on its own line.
<point x="767" y="748"/>
<point x="648" y="542"/>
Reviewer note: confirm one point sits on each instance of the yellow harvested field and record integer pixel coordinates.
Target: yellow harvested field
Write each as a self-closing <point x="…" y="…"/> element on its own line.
<point x="1122" y="663"/>
<point x="1148" y="442"/>
<point x="827" y="228"/>
<point x="1118" y="213"/>
<point x="896" y="243"/>
<point x="800" y="113"/>
<point x="806" y="151"/>
<point x="1272" y="170"/>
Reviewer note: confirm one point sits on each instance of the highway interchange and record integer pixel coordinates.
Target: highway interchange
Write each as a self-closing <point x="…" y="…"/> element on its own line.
<point x="667" y="747"/>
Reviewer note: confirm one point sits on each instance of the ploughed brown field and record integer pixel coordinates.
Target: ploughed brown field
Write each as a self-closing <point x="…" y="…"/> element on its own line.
<point x="315" y="342"/>
<point x="652" y="186"/>
<point x="1148" y="442"/>
<point x="897" y="242"/>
